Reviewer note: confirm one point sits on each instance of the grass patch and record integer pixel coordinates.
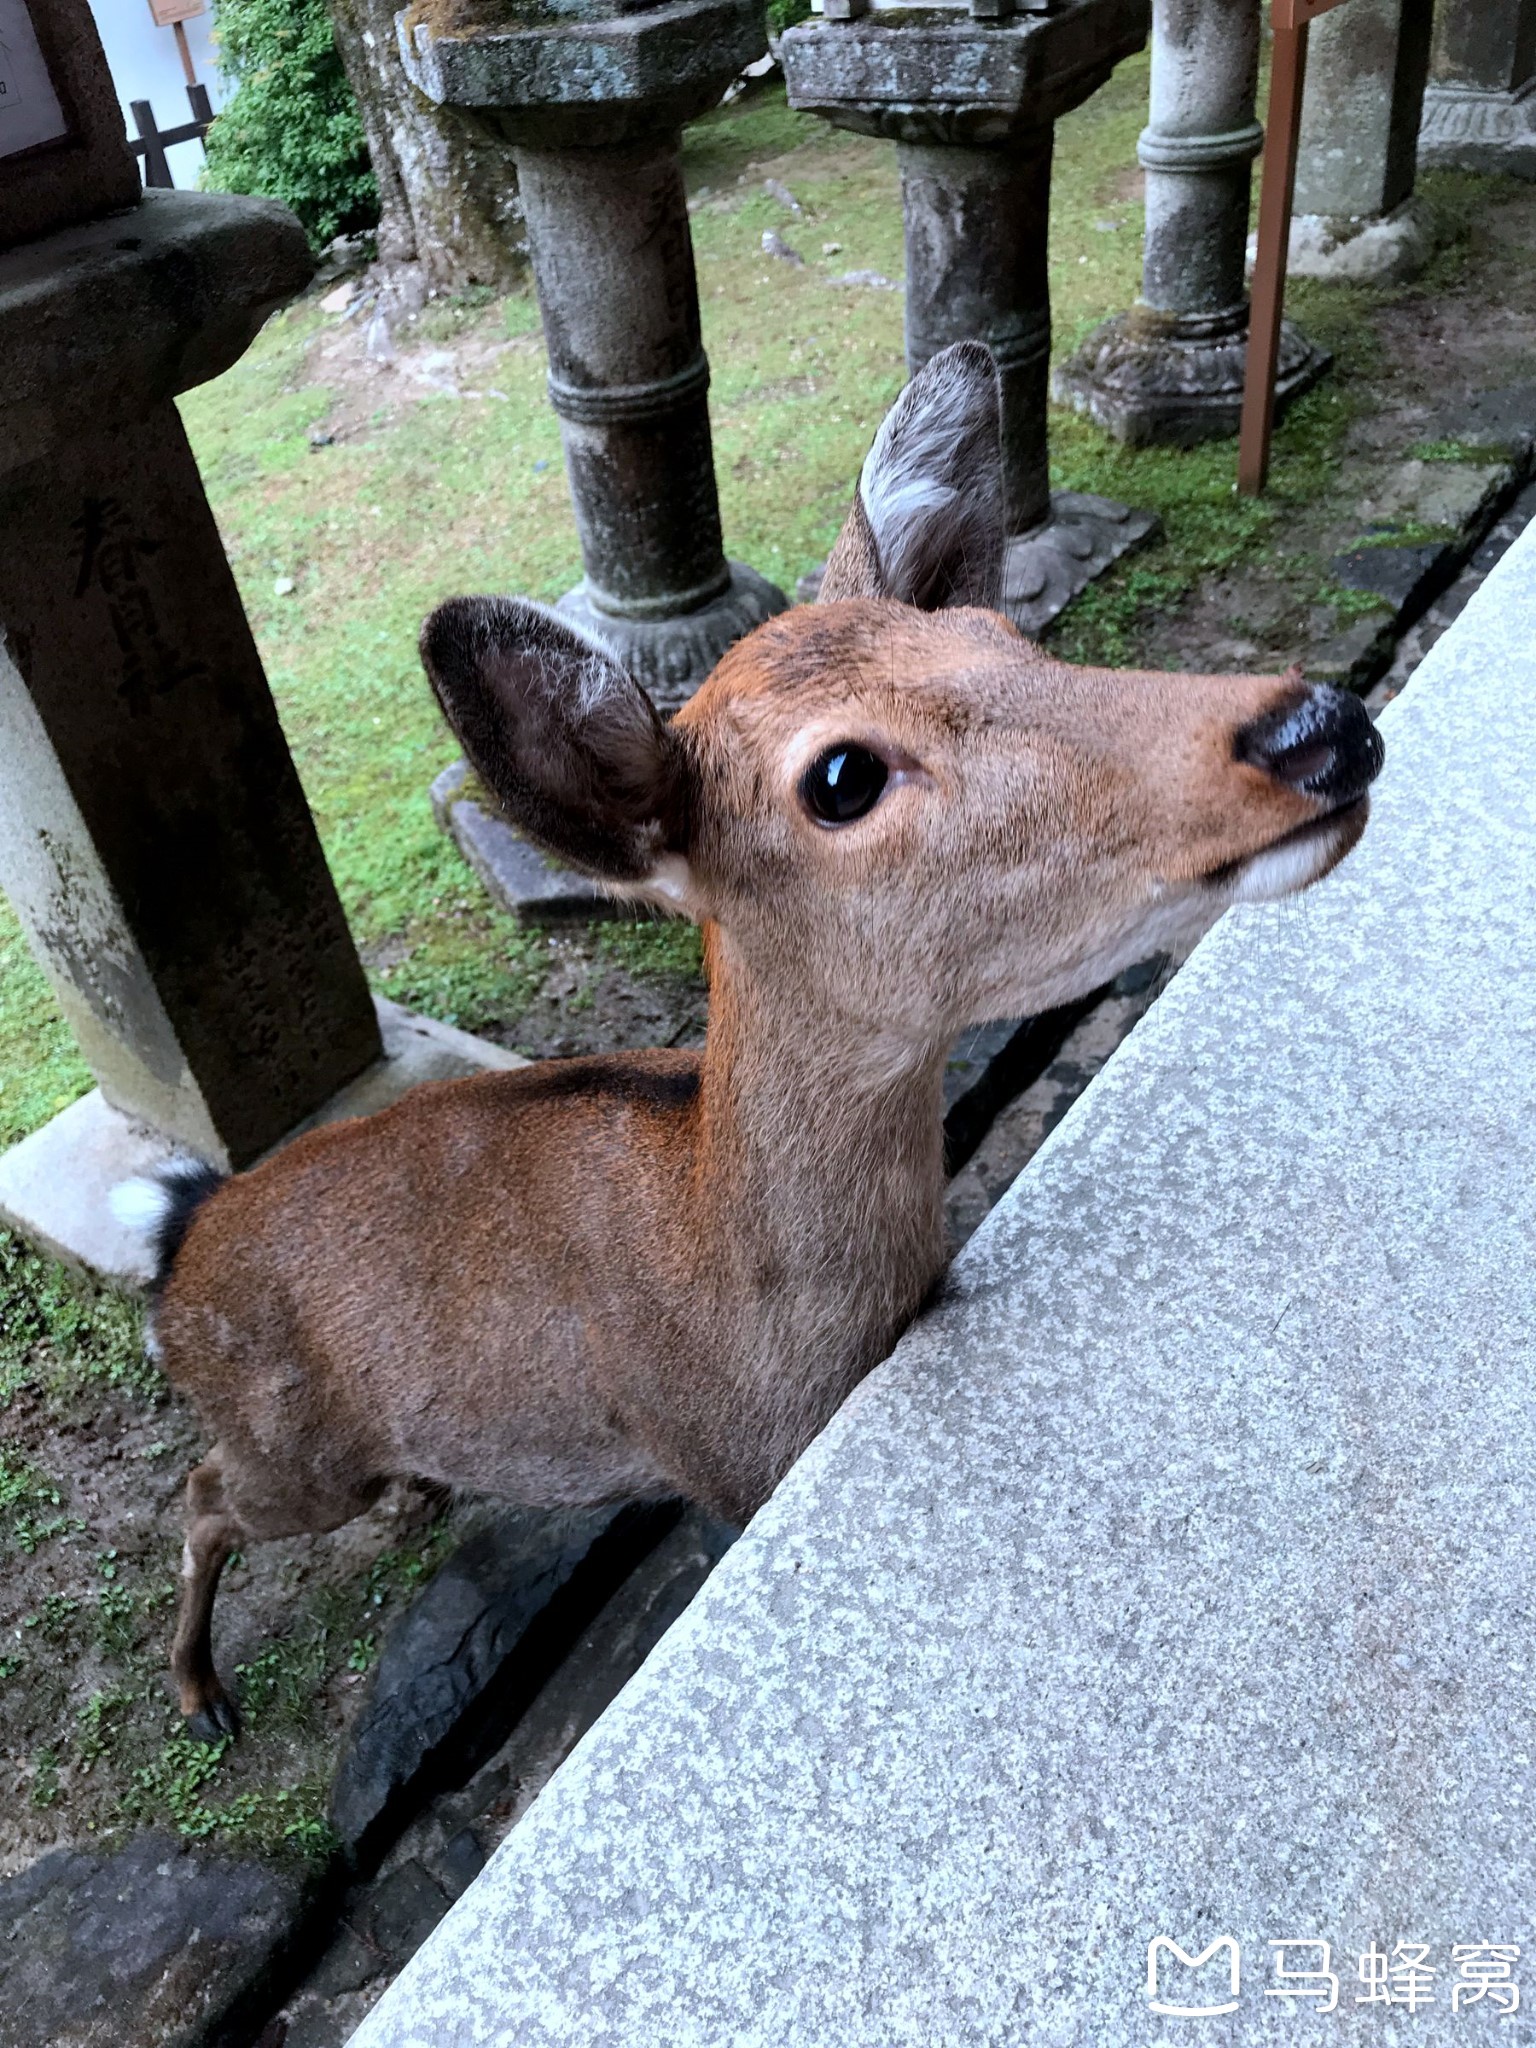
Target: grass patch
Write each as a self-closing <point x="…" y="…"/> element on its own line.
<point x="63" y="1336"/>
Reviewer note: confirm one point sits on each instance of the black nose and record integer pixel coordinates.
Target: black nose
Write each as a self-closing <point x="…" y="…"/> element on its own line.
<point x="1322" y="742"/>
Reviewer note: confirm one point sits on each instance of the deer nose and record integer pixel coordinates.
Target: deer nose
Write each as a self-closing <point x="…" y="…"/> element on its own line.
<point x="1322" y="743"/>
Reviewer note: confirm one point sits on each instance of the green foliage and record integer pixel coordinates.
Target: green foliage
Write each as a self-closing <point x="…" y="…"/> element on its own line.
<point x="783" y="14"/>
<point x="292" y="130"/>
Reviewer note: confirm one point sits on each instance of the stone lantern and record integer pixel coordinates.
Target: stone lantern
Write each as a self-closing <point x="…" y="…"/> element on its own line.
<point x="592" y="101"/>
<point x="969" y="93"/>
<point x="154" y="840"/>
<point x="1170" y="370"/>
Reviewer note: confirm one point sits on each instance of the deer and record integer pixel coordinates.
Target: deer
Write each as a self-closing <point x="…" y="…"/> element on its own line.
<point x="654" y="1275"/>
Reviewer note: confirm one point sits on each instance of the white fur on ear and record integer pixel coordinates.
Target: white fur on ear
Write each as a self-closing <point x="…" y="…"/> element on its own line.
<point x="669" y="886"/>
<point x="931" y="484"/>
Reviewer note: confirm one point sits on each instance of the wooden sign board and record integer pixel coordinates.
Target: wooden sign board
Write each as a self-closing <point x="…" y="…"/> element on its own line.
<point x="168" y="12"/>
<point x="30" y="113"/>
<point x="63" y="154"/>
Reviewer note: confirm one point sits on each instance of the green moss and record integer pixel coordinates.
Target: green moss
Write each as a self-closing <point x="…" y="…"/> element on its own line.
<point x="64" y="1336"/>
<point x="29" y="1505"/>
<point x="662" y="945"/>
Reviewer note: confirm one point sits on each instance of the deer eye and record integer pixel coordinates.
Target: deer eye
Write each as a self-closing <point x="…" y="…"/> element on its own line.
<point x="844" y="783"/>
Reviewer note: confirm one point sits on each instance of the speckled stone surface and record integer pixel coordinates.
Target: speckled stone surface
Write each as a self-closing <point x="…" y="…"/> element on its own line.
<point x="1177" y="1576"/>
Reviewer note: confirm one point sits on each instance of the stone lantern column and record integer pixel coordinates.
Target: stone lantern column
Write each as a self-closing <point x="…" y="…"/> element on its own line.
<point x="593" y="105"/>
<point x="1480" y="108"/>
<point x="1171" y="369"/>
<point x="970" y="101"/>
<point x="154" y="840"/>
<point x="1355" y="215"/>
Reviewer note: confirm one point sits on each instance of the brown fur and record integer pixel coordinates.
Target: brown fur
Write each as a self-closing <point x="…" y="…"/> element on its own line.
<point x="660" y="1273"/>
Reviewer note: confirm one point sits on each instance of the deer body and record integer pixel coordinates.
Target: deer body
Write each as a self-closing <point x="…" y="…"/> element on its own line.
<point x="613" y="1325"/>
<point x="659" y="1273"/>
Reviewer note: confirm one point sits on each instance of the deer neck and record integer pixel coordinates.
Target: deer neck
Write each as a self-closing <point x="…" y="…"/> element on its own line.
<point x="826" y="1146"/>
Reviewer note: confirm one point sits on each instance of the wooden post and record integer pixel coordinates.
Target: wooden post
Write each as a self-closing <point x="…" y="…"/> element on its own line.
<point x="1287" y="78"/>
<point x="157" y="171"/>
<point x="184" y="51"/>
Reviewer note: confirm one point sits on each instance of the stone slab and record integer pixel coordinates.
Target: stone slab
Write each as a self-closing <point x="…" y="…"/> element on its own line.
<point x="159" y="1945"/>
<point x="54" y="1184"/>
<point x="1402" y="575"/>
<point x="1173" y="1579"/>
<point x="459" y="1667"/>
<point x="526" y="882"/>
<point x="100" y="323"/>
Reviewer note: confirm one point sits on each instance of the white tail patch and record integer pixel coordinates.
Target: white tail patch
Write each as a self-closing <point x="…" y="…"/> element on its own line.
<point x="140" y="1206"/>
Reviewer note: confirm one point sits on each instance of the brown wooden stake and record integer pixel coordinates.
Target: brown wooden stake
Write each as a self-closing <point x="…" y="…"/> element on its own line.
<point x="179" y="30"/>
<point x="1282" y="132"/>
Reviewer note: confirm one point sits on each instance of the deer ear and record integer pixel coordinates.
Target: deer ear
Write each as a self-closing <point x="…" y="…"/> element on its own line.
<point x="927" y="524"/>
<point x="565" y="739"/>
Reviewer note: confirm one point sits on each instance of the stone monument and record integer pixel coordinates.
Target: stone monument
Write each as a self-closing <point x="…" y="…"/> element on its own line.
<point x="1171" y="369"/>
<point x="1355" y="214"/>
<point x="1480" y="107"/>
<point x="154" y="840"/>
<point x="970" y="98"/>
<point x="592" y="101"/>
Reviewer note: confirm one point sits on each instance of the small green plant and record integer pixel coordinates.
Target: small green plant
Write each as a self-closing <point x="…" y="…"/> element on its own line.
<point x="10" y="1666"/>
<point x="95" y="1732"/>
<point x="24" y="1490"/>
<point x="118" y="1614"/>
<point x="291" y="131"/>
<point x="45" y="1777"/>
<point x="53" y="1618"/>
<point x="1477" y="453"/>
<point x="662" y="945"/>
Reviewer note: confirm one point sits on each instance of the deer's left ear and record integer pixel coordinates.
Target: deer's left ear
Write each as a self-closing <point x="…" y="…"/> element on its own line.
<point x="927" y="525"/>
<point x="567" y="741"/>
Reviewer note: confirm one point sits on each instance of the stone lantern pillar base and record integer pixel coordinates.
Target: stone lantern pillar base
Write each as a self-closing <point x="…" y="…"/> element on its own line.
<point x="1176" y="379"/>
<point x="1372" y="248"/>
<point x="1470" y="128"/>
<point x="670" y="655"/>
<point x="1045" y="569"/>
<point x="54" y="1185"/>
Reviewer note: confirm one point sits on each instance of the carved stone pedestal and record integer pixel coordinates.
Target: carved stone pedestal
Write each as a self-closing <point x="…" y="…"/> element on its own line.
<point x="970" y="103"/>
<point x="593" y="105"/>
<point x="1480" y="106"/>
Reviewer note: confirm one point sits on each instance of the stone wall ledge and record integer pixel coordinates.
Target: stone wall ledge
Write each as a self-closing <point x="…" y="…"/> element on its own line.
<point x="1174" y="1576"/>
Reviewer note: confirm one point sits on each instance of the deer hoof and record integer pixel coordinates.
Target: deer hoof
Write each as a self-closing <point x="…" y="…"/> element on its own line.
<point x="214" y="1721"/>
